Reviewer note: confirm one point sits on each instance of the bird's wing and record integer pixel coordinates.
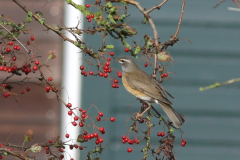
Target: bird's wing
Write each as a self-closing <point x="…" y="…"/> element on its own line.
<point x="142" y="82"/>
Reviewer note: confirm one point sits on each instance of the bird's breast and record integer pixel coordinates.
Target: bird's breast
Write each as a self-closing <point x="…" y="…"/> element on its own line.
<point x="134" y="92"/>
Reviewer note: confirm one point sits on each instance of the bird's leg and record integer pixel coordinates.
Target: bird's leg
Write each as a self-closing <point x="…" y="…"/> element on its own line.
<point x="139" y="115"/>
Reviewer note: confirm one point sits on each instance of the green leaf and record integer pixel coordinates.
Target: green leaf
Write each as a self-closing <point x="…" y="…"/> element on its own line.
<point x="28" y="19"/>
<point x="163" y="57"/>
<point x="171" y="130"/>
<point x="5" y="153"/>
<point x="42" y="21"/>
<point x="29" y="13"/>
<point x="2" y="33"/>
<point x="109" y="5"/>
<point x="110" y="46"/>
<point x="80" y="138"/>
<point x="137" y="50"/>
<point x="35" y="148"/>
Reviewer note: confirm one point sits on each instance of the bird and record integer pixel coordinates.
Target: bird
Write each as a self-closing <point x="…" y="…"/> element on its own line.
<point x="147" y="89"/>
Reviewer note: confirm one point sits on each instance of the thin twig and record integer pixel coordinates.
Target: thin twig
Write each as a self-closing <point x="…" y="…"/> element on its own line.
<point x="219" y="84"/>
<point x="179" y="23"/>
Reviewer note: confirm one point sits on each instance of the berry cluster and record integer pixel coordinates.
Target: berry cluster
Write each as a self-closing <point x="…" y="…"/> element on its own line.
<point x="161" y="134"/>
<point x="164" y="75"/>
<point x="104" y="71"/>
<point x="129" y="141"/>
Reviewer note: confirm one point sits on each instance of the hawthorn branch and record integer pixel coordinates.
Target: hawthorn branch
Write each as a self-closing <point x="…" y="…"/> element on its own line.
<point x="15" y="154"/>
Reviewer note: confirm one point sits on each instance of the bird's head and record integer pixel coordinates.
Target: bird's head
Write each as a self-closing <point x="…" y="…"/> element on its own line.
<point x="128" y="64"/>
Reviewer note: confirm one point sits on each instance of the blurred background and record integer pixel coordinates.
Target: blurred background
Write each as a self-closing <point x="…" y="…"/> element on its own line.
<point x="212" y="127"/>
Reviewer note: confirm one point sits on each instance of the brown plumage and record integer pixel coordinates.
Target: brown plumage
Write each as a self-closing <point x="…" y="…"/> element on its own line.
<point x="144" y="87"/>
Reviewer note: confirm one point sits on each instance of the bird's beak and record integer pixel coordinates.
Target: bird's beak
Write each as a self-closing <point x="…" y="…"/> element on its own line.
<point x="116" y="59"/>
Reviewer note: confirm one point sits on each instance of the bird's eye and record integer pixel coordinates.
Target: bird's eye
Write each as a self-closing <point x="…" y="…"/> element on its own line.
<point x="122" y="60"/>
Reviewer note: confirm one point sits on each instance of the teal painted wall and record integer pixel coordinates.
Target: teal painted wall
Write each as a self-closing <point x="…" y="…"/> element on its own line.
<point x="213" y="123"/>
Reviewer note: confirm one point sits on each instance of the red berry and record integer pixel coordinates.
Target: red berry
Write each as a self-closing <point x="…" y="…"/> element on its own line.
<point x="10" y="43"/>
<point x="161" y="134"/>
<point x="119" y="74"/>
<point x="74" y="123"/>
<point x="95" y="134"/>
<point x="88" y="16"/>
<point x="32" y="38"/>
<point x="60" y="149"/>
<point x="35" y="68"/>
<point x="47" y="152"/>
<point x="112" y="53"/>
<point x="98" y="118"/>
<point x="50" y="79"/>
<point x="123" y="141"/>
<point x="84" y="111"/>
<point x="50" y="141"/>
<point x="101" y="129"/>
<point x="183" y="144"/>
<point x="87" y="5"/>
<point x="85" y="74"/>
<point x="14" y="58"/>
<point x="83" y="115"/>
<point x="28" y="42"/>
<point x="126" y="49"/>
<point x="18" y="48"/>
<point x="113" y="85"/>
<point x="15" y="67"/>
<point x="146" y="64"/>
<point x="81" y="147"/>
<point x="8" y="50"/>
<point x="124" y="137"/>
<point x="115" y="81"/>
<point x="22" y="91"/>
<point x="100" y="74"/>
<point x="9" y="70"/>
<point x="117" y="86"/>
<point x="100" y="114"/>
<point x="48" y="88"/>
<point x="69" y="105"/>
<point x="162" y="75"/>
<point x="184" y="141"/>
<point x="105" y="75"/>
<point x="4" y="85"/>
<point x="108" y="64"/>
<point x="165" y="74"/>
<point x="1" y="68"/>
<point x="90" y="20"/>
<point x="28" y="89"/>
<point x="5" y="68"/>
<point x="70" y="113"/>
<point x="82" y="67"/>
<point x="112" y="119"/>
<point x="97" y="141"/>
<point x="108" y="59"/>
<point x="91" y="72"/>
<point x="92" y="16"/>
<point x="67" y="135"/>
<point x="15" y="47"/>
<point x="81" y="124"/>
<point x="37" y="62"/>
<point x="100" y="140"/>
<point x="129" y="150"/>
<point x="76" y="118"/>
<point x="76" y="146"/>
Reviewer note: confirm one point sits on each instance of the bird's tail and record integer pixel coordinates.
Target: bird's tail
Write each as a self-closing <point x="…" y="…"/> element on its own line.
<point x="176" y="118"/>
